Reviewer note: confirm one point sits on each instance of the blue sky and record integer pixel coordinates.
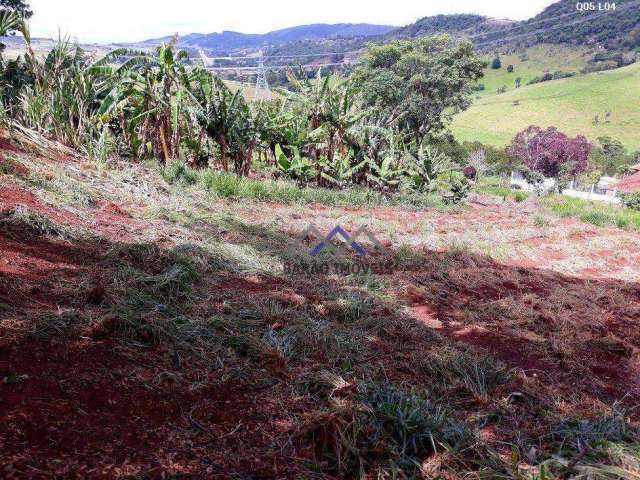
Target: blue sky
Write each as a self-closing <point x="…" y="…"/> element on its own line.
<point x="133" y="20"/>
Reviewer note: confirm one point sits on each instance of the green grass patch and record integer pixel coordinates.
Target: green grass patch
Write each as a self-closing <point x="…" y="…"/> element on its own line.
<point x="497" y="186"/>
<point x="230" y="186"/>
<point x="388" y="432"/>
<point x="530" y="63"/>
<point x="36" y="224"/>
<point x="62" y="188"/>
<point x="596" y="213"/>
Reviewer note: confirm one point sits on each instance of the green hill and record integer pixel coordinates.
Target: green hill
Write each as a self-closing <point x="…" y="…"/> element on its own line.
<point x="533" y="62"/>
<point x="569" y="104"/>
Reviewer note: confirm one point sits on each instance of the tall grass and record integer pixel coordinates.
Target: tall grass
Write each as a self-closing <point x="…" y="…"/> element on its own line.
<point x="595" y="213"/>
<point x="226" y="185"/>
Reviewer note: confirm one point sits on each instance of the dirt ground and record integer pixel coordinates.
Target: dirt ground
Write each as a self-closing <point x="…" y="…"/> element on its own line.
<point x="558" y="304"/>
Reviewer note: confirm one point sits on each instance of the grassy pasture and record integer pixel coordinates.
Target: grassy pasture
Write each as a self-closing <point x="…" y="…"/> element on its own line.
<point x="569" y="104"/>
<point x="539" y="60"/>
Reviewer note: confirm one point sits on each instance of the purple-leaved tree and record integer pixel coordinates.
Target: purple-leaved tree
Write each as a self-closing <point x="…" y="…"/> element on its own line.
<point x="551" y="152"/>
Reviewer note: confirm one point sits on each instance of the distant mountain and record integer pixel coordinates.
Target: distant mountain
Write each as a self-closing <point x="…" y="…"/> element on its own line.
<point x="231" y="41"/>
<point x="614" y="29"/>
<point x="611" y="26"/>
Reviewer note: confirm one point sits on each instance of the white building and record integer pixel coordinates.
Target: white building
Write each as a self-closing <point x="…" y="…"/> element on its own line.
<point x="603" y="191"/>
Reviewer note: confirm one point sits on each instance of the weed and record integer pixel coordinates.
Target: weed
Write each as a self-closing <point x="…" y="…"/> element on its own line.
<point x="366" y="280"/>
<point x="144" y="304"/>
<point x="177" y="172"/>
<point x="599" y="219"/>
<point x="62" y="188"/>
<point x="406" y="255"/>
<point x="491" y="186"/>
<point x="11" y="166"/>
<point x="541" y="222"/>
<point x="22" y="217"/>
<point x="50" y="324"/>
<point x="350" y="307"/>
<point x="229" y="186"/>
<point x="387" y="432"/>
<point x="520" y="196"/>
<point x="478" y="374"/>
<point x="284" y="341"/>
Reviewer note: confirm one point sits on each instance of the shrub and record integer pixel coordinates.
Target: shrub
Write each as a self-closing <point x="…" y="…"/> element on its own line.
<point x="510" y="69"/>
<point x="496" y="63"/>
<point x="454" y="187"/>
<point x="176" y="171"/>
<point x="470" y="172"/>
<point x="631" y="200"/>
<point x="520" y="196"/>
<point x="540" y="221"/>
<point x="551" y="76"/>
<point x="551" y="152"/>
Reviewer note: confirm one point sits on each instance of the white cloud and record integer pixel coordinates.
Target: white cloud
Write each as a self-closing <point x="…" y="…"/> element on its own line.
<point x="133" y="20"/>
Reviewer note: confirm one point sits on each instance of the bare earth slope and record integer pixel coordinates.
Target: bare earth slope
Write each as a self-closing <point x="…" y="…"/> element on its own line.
<point x="148" y="330"/>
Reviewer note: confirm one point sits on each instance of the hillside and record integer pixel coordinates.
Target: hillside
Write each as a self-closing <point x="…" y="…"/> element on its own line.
<point x="227" y="41"/>
<point x="569" y="104"/>
<point x="457" y="25"/>
<point x="149" y="329"/>
<point x="609" y="26"/>
<point x="615" y="29"/>
<point x="612" y="28"/>
<point x="532" y="62"/>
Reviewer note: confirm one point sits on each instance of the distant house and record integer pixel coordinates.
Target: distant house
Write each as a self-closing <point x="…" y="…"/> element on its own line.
<point x="604" y="191"/>
<point x="630" y="183"/>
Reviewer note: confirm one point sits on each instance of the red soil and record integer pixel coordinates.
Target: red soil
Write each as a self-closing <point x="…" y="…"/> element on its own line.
<point x="612" y="362"/>
<point x="83" y="409"/>
<point x="79" y="407"/>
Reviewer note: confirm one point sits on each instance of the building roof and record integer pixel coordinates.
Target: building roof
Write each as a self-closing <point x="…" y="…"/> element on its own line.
<point x="629" y="184"/>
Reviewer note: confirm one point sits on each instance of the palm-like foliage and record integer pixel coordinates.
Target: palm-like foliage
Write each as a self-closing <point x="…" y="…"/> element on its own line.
<point x="425" y="165"/>
<point x="228" y="120"/>
<point x="63" y="98"/>
<point x="156" y="104"/>
<point x="294" y="166"/>
<point x="151" y="97"/>
<point x="9" y="20"/>
<point x="387" y="174"/>
<point x="329" y="105"/>
<point x="279" y="124"/>
<point x="341" y="171"/>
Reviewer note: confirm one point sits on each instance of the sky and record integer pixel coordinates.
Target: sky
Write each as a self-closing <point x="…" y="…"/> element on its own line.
<point x="103" y="21"/>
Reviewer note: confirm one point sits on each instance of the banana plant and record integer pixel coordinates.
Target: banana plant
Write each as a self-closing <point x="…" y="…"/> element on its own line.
<point x="328" y="103"/>
<point x="150" y="96"/>
<point x="425" y="166"/>
<point x="278" y="124"/>
<point x="386" y="175"/>
<point x="341" y="171"/>
<point x="297" y="168"/>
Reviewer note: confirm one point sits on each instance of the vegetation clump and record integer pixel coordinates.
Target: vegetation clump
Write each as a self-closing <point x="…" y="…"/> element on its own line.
<point x="551" y="152"/>
<point x="369" y="130"/>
